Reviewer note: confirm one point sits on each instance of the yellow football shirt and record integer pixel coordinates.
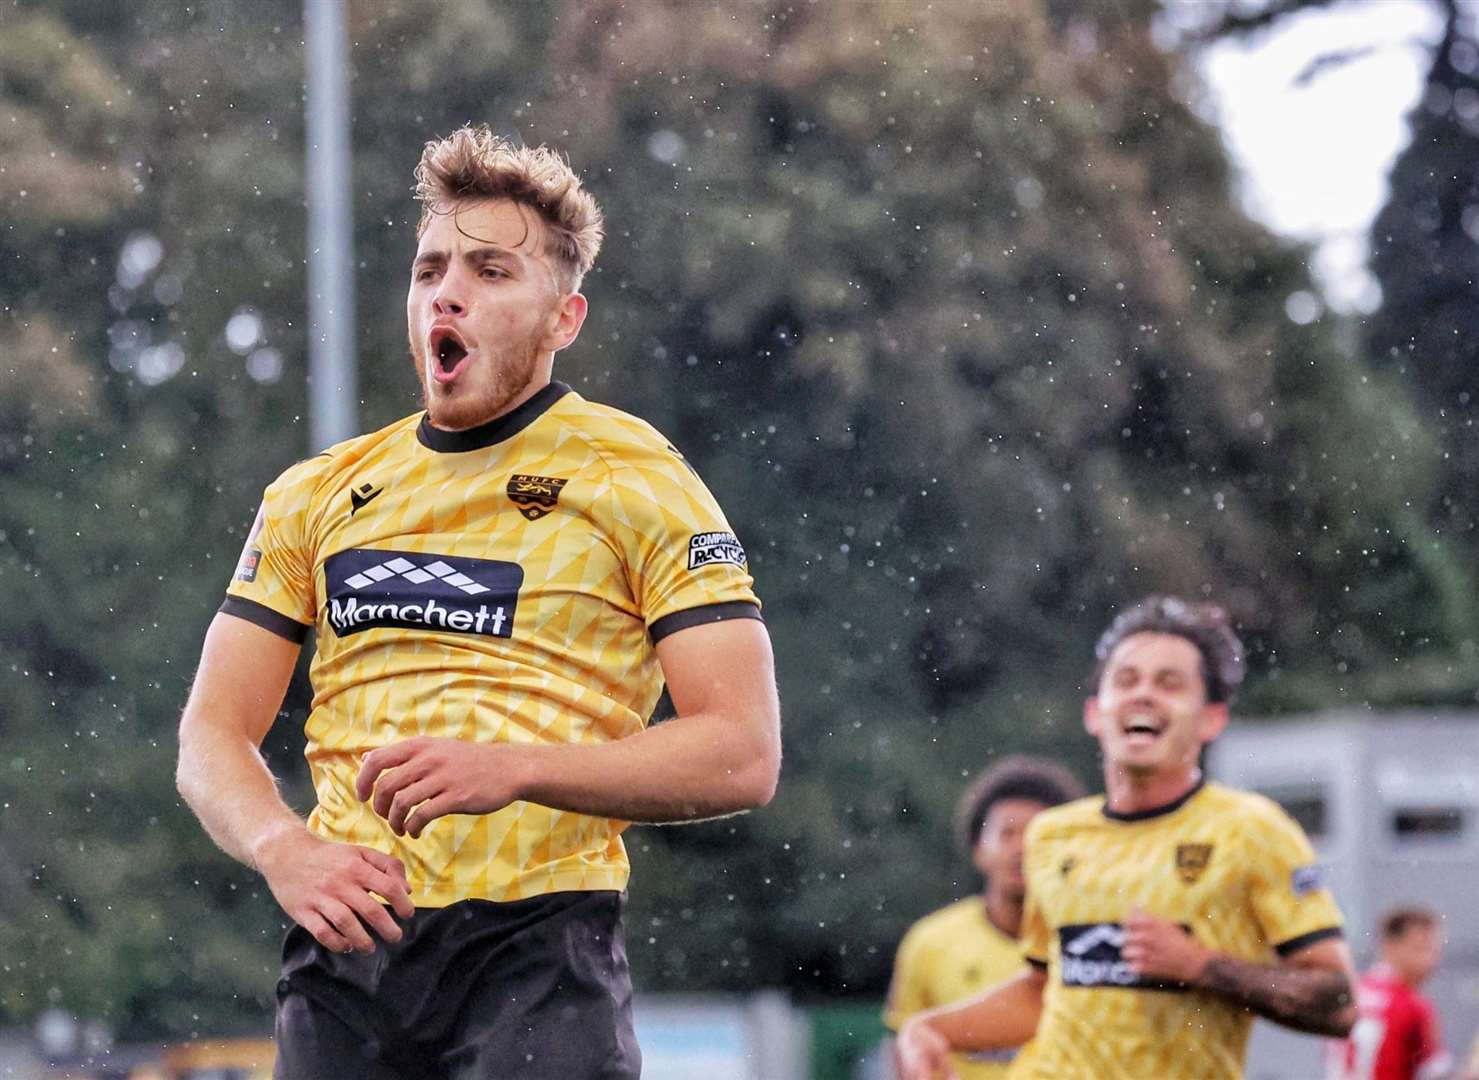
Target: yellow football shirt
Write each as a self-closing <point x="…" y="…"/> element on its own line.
<point x="948" y="955"/>
<point x="504" y="584"/>
<point x="1229" y="866"/>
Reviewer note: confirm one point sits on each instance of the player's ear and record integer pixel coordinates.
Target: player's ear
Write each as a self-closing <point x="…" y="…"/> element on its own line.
<point x="1091" y="716"/>
<point x="565" y="322"/>
<point x="1214" y="720"/>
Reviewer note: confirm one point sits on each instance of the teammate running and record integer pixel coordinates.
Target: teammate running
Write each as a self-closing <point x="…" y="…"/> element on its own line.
<point x="1163" y="915"/>
<point x="961" y="949"/>
<point x="499" y="587"/>
<point x="1396" y="1035"/>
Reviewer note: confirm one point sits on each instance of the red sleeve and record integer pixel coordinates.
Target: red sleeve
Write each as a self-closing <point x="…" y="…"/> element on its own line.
<point x="1427" y="1038"/>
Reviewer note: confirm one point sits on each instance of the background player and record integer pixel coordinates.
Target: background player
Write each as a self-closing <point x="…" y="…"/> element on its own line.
<point x="1162" y="915"/>
<point x="971" y="944"/>
<point x="499" y="587"/>
<point x="1396" y="1035"/>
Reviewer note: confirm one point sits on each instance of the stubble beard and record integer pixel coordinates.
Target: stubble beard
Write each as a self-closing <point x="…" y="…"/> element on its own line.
<point x="468" y="406"/>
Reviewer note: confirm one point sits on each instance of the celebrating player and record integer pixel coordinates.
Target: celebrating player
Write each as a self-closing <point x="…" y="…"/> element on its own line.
<point x="1161" y="916"/>
<point x="1396" y="1034"/>
<point x="499" y="587"/>
<point x="961" y="949"/>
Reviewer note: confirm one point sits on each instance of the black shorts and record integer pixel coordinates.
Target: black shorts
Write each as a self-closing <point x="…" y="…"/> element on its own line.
<point x="536" y="989"/>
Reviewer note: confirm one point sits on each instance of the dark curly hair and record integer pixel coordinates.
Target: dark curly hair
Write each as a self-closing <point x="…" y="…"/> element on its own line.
<point x="1204" y="625"/>
<point x="1017" y="777"/>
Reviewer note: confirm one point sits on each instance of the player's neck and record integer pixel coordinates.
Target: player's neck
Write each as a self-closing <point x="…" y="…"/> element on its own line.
<point x="1003" y="911"/>
<point x="1129" y="792"/>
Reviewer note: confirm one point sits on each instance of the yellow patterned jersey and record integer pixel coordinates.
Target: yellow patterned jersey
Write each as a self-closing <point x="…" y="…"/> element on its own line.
<point x="503" y="584"/>
<point x="1229" y="866"/>
<point x="948" y="955"/>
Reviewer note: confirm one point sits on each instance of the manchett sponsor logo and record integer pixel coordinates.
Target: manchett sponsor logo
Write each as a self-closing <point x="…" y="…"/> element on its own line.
<point x="1077" y="972"/>
<point x="369" y="588"/>
<point x="1089" y="955"/>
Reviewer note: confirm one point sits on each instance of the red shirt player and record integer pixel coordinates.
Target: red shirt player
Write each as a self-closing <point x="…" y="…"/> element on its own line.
<point x="1396" y="1033"/>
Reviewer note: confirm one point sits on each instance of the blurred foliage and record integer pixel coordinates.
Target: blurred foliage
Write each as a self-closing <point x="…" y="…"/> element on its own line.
<point x="951" y="306"/>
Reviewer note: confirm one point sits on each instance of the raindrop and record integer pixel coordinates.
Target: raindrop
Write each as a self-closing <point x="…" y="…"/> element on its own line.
<point x="264" y="366"/>
<point x="1466" y="104"/>
<point x="243" y="331"/>
<point x="169" y="289"/>
<point x="141" y="255"/>
<point x="1303" y="307"/>
<point x="1029" y="193"/>
<point x="1470" y="221"/>
<point x="1464" y="56"/>
<point x="158" y="363"/>
<point x="666" y="146"/>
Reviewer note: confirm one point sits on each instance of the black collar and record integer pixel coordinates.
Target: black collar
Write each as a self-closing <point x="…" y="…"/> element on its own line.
<point x="495" y="430"/>
<point x="1154" y="811"/>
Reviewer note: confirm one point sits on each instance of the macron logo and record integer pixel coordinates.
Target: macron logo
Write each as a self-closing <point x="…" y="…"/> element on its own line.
<point x="439" y="593"/>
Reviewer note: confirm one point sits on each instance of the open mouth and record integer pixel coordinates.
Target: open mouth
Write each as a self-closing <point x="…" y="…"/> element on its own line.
<point x="448" y="349"/>
<point x="1142" y="728"/>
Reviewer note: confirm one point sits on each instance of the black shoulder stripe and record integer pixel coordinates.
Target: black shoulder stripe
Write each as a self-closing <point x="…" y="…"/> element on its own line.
<point x="708" y="613"/>
<point x="265" y="617"/>
<point x="1293" y="945"/>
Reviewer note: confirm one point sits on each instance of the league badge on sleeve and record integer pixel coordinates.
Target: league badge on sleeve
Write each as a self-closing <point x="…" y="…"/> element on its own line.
<point x="1305" y="880"/>
<point x="707" y="548"/>
<point x="246" y="568"/>
<point x="251" y="553"/>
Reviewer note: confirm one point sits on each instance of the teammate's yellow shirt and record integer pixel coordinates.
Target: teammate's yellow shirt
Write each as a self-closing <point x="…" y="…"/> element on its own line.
<point x="1229" y="866"/>
<point x="504" y="584"/>
<point x="949" y="955"/>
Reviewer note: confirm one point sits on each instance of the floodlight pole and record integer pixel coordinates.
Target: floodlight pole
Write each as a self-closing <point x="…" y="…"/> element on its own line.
<point x="331" y="367"/>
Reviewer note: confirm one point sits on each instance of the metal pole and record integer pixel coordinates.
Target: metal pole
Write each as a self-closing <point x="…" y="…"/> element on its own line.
<point x="331" y="369"/>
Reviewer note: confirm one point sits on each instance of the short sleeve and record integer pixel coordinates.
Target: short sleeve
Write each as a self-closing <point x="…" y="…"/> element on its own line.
<point x="906" y="992"/>
<point x="1034" y="938"/>
<point x="685" y="563"/>
<point x="1290" y="899"/>
<point x="273" y="585"/>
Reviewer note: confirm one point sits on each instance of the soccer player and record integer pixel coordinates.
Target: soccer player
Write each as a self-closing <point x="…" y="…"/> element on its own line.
<point x="1163" y="915"/>
<point x="499" y="587"/>
<point x="963" y="948"/>
<point x="1396" y="1035"/>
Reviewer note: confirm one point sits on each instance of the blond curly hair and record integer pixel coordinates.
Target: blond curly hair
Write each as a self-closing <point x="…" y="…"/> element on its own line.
<point x="474" y="163"/>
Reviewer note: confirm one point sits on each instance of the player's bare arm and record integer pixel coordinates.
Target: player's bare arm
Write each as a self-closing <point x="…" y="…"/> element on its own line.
<point x="1002" y="1017"/>
<point x="1310" y="990"/>
<point x="326" y="888"/>
<point x="719" y="755"/>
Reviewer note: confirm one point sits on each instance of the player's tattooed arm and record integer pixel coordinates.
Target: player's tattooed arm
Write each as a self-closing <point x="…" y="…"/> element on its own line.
<point x="1311" y="991"/>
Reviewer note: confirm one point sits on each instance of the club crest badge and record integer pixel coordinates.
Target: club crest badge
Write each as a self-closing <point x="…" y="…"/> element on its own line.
<point x="1192" y="861"/>
<point x="535" y="496"/>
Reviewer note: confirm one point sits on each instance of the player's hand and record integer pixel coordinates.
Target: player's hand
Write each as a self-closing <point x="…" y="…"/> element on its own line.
<point x="326" y="888"/>
<point x="923" y="1053"/>
<point x="419" y="780"/>
<point x="1160" y="950"/>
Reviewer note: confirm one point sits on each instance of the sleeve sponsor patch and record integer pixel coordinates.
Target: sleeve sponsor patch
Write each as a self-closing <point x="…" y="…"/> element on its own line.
<point x="707" y="548"/>
<point x="246" y="568"/>
<point x="251" y="553"/>
<point x="1305" y="880"/>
